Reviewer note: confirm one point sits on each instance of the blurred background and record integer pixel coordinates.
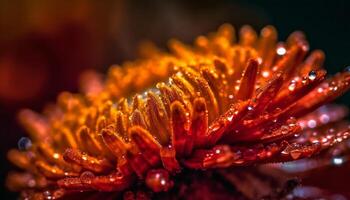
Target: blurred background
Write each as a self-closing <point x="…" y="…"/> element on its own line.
<point x="45" y="45"/>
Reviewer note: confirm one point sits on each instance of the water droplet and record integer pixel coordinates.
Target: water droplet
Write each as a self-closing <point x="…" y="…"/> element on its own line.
<point x="250" y="108"/>
<point x="260" y="60"/>
<point x="281" y="51"/>
<point x="312" y="75"/>
<point x="24" y="143"/>
<point x="56" y="155"/>
<point x="84" y="157"/>
<point x="324" y="118"/>
<point x="274" y="68"/>
<point x="284" y="129"/>
<point x="215" y="127"/>
<point x="237" y="154"/>
<point x="217" y="151"/>
<point x="311" y="123"/>
<point x="295" y="154"/>
<point x="265" y="74"/>
<point x="337" y="161"/>
<point x="86" y="177"/>
<point x="179" y="73"/>
<point x="158" y="180"/>
<point x="31" y="183"/>
<point x="347" y="69"/>
<point x="285" y="152"/>
<point x="331" y="130"/>
<point x="47" y="195"/>
<point x="292" y="86"/>
<point x="315" y="141"/>
<point x="229" y="118"/>
<point x="162" y="181"/>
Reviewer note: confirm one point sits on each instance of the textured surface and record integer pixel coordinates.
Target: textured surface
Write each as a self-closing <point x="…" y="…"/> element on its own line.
<point x="223" y="102"/>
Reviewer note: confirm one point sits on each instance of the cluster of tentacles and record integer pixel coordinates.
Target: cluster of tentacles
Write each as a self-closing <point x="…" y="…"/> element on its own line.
<point x="220" y="103"/>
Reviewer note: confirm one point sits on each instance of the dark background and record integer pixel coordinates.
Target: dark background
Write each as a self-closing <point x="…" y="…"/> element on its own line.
<point x="45" y="45"/>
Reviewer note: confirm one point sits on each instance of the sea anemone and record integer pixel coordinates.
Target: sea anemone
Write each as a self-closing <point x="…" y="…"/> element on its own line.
<point x="176" y="121"/>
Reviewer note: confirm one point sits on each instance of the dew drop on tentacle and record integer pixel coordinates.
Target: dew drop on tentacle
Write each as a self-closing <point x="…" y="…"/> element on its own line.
<point x="311" y="123"/>
<point x="86" y="177"/>
<point x="347" y="69"/>
<point x="281" y="50"/>
<point x="24" y="143"/>
<point x="47" y="195"/>
<point x="265" y="74"/>
<point x="292" y="85"/>
<point x="295" y="154"/>
<point x="312" y="75"/>
<point x="338" y="161"/>
<point x="158" y="180"/>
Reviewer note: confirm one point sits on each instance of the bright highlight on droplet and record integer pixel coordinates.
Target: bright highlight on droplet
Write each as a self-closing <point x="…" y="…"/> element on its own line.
<point x="311" y="123"/>
<point x="281" y="51"/>
<point x="338" y="161"/>
<point x="324" y="118"/>
<point x="292" y="86"/>
<point x="265" y="74"/>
